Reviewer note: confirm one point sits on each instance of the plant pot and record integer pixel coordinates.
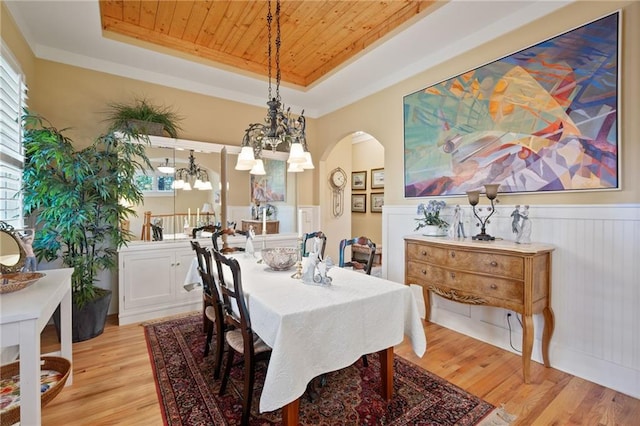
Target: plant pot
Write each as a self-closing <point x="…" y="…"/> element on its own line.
<point x="89" y="321"/>
<point x="146" y="127"/>
<point x="434" y="231"/>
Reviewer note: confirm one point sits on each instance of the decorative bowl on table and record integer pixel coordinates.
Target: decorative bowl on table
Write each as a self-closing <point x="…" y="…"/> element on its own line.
<point x="280" y="258"/>
<point x="18" y="280"/>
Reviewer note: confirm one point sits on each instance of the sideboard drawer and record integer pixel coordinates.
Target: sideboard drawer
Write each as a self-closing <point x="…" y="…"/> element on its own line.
<point x="486" y="263"/>
<point x="480" y="285"/>
<point x="478" y="262"/>
<point x="423" y="253"/>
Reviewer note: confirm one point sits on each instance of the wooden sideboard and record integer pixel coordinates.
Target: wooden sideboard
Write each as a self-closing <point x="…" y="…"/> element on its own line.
<point x="497" y="273"/>
<point x="273" y="226"/>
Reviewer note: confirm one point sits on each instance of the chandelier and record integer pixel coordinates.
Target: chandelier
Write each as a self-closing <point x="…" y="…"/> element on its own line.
<point x="278" y="127"/>
<point x="194" y="173"/>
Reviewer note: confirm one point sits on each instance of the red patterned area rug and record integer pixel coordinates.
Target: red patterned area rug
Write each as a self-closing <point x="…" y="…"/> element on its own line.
<point x="189" y="396"/>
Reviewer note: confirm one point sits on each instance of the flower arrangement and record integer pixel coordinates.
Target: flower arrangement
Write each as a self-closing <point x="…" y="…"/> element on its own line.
<point x="431" y="215"/>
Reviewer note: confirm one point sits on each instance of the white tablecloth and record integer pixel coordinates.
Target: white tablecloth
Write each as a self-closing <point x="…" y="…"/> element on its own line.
<point x="315" y="330"/>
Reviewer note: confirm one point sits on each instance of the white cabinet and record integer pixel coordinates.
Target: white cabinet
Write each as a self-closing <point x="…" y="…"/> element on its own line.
<point x="151" y="276"/>
<point x="151" y="280"/>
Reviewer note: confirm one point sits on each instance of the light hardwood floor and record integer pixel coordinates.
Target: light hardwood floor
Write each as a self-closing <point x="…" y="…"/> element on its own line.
<point x="113" y="382"/>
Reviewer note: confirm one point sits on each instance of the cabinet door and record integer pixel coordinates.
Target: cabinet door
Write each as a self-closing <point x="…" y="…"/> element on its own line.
<point x="149" y="278"/>
<point x="184" y="260"/>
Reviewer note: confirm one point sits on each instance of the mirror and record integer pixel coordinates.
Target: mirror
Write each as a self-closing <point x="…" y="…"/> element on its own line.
<point x="168" y="213"/>
<point x="12" y="254"/>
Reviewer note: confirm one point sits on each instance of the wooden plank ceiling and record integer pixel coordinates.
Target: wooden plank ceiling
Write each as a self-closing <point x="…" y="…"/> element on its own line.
<point x="317" y="36"/>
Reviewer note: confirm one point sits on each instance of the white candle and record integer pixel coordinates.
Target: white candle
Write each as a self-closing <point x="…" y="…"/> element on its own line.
<point x="189" y="215"/>
<point x="197" y="216"/>
<point x="264" y="221"/>
<point x="299" y="223"/>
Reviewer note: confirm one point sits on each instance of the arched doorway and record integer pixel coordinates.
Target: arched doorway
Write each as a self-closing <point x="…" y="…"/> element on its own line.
<point x="357" y="152"/>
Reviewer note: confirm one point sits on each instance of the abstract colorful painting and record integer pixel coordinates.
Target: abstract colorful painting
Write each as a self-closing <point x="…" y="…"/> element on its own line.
<point x="542" y="119"/>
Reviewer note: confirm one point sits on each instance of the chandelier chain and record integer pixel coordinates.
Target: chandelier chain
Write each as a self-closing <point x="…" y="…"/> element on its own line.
<point x="277" y="50"/>
<point x="269" y="19"/>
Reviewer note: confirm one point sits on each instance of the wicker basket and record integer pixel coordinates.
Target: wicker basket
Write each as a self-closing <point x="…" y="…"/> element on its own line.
<point x="61" y="365"/>
<point x="18" y="280"/>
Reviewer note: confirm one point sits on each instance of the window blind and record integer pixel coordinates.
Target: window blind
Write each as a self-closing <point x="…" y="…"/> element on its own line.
<point x="13" y="96"/>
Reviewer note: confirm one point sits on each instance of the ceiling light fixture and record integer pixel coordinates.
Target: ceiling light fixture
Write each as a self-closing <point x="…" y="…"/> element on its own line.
<point x="278" y="126"/>
<point x="194" y="173"/>
<point x="166" y="167"/>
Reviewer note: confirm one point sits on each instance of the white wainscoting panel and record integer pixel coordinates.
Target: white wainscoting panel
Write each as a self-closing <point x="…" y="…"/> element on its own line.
<point x="595" y="288"/>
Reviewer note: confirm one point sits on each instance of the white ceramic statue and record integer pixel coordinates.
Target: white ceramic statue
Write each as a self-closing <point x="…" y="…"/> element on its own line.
<point x="249" y="249"/>
<point x="457" y="228"/>
<point x="524" y="231"/>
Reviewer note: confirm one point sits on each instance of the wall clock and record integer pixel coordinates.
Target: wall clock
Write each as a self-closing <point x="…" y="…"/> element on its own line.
<point x="337" y="181"/>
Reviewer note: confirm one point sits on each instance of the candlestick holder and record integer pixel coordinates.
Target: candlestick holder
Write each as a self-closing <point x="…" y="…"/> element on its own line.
<point x="298" y="274"/>
<point x="264" y="242"/>
<point x="474" y="199"/>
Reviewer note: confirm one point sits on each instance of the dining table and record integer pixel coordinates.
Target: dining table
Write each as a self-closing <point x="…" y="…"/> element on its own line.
<point x="315" y="329"/>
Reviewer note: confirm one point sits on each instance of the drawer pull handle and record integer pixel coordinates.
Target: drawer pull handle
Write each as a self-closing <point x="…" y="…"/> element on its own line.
<point x="424" y="272"/>
<point x="424" y="252"/>
<point x="453" y="254"/>
<point x="453" y="275"/>
<point x="494" y="287"/>
<point x="494" y="263"/>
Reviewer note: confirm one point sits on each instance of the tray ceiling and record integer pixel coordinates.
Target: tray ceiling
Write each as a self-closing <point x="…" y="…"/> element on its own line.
<point x="317" y="36"/>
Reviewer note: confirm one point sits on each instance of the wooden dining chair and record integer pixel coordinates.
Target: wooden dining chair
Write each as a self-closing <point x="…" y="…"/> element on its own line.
<point x="355" y="264"/>
<point x="211" y="305"/>
<point x="240" y="337"/>
<point x="218" y="239"/>
<point x="205" y="228"/>
<point x="311" y="236"/>
<point x="215" y="314"/>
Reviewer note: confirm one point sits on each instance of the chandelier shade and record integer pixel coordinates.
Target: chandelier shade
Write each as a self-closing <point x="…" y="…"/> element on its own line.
<point x="279" y="127"/>
<point x="192" y="177"/>
<point x="166" y="167"/>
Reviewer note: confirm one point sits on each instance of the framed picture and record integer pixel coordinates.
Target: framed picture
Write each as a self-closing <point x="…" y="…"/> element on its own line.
<point x="377" y="201"/>
<point x="359" y="180"/>
<point x="377" y="178"/>
<point x="541" y="119"/>
<point x="359" y="203"/>
<point x="271" y="186"/>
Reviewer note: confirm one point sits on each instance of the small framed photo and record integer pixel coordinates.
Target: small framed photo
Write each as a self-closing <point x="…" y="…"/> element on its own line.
<point x="359" y="180"/>
<point x="377" y="178"/>
<point x="359" y="203"/>
<point x="377" y="201"/>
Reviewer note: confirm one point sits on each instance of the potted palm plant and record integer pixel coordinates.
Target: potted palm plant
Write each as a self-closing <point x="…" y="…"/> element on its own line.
<point x="143" y="117"/>
<point x="75" y="196"/>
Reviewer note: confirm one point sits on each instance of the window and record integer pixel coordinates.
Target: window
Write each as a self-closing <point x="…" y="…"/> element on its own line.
<point x="13" y="95"/>
<point x="155" y="183"/>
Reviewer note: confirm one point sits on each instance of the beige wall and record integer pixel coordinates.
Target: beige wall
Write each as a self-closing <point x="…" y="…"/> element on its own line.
<point x="336" y="228"/>
<point x="16" y="43"/>
<point x="365" y="156"/>
<point x="380" y="114"/>
<point x="73" y="97"/>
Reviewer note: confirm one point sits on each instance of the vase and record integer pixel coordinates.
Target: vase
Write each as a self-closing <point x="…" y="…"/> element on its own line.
<point x="434" y="231"/>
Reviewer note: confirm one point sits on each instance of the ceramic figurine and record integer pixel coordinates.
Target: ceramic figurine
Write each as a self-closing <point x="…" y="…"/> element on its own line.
<point x="515" y="223"/>
<point x="524" y="232"/>
<point x="249" y="250"/>
<point x="31" y="263"/>
<point x="457" y="230"/>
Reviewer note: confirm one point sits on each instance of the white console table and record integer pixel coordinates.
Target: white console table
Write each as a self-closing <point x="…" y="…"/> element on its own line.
<point x="23" y="315"/>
